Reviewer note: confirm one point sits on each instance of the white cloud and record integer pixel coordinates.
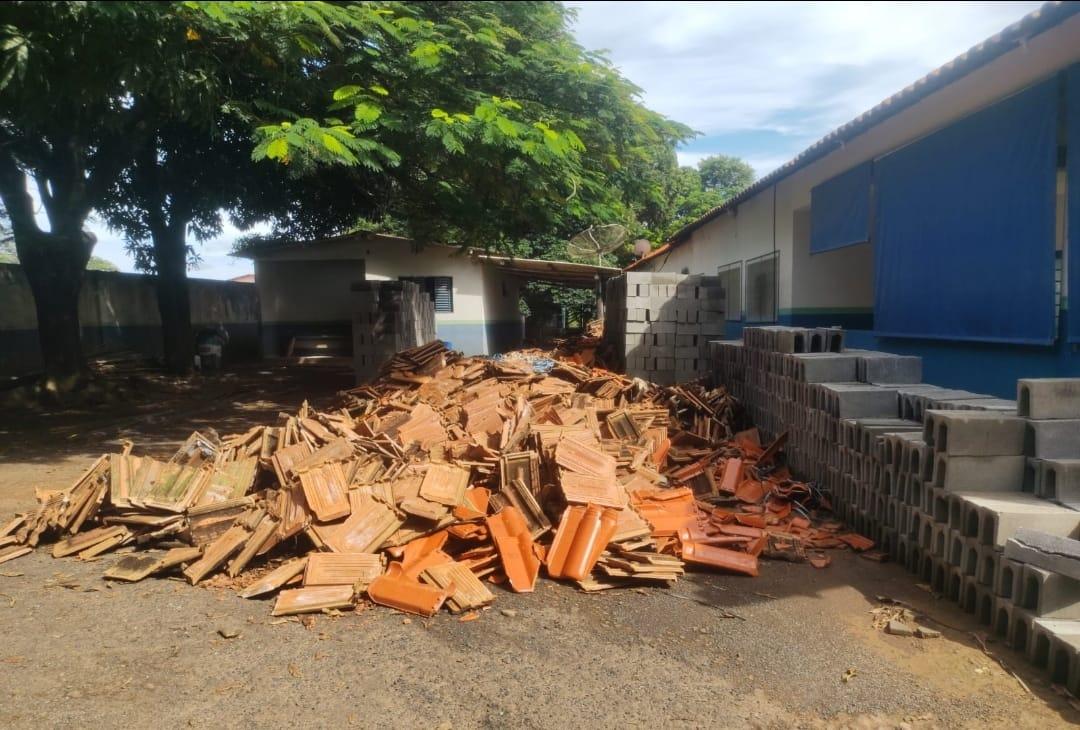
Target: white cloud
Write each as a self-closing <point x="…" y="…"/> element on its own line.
<point x="796" y="69"/>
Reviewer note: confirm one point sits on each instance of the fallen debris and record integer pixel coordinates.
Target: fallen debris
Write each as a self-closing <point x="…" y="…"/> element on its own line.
<point x="442" y="477"/>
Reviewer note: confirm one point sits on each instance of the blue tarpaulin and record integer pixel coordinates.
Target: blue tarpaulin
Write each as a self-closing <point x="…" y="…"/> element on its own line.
<point x="1072" y="119"/>
<point x="840" y="210"/>
<point x="964" y="234"/>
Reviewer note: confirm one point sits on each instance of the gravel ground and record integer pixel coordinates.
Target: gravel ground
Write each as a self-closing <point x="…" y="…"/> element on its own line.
<point x="713" y="650"/>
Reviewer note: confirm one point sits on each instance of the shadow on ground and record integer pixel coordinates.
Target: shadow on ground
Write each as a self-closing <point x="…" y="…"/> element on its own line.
<point x="713" y="649"/>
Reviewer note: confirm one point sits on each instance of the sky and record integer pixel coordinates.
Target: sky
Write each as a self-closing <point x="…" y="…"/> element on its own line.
<point x="761" y="81"/>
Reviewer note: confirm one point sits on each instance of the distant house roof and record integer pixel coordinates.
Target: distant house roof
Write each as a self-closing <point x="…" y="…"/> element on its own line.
<point x="245" y="279"/>
<point x="1048" y="16"/>
<point x="568" y="273"/>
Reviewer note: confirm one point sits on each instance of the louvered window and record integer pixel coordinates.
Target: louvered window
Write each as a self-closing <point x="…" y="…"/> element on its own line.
<point x="439" y="288"/>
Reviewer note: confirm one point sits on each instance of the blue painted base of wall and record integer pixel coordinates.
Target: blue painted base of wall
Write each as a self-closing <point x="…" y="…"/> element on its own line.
<point x="990" y="368"/>
<point x="20" y="351"/>
<point x="475" y="338"/>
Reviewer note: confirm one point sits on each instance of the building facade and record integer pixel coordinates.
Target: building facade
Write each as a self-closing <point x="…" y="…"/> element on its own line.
<point x="304" y="288"/>
<point x="936" y="224"/>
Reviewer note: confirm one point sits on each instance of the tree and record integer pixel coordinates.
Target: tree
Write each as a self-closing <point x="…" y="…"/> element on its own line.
<point x="500" y="127"/>
<point x="88" y="94"/>
<point x="216" y="66"/>
<point x="61" y="123"/>
<point x="471" y="122"/>
<point x="725" y="174"/>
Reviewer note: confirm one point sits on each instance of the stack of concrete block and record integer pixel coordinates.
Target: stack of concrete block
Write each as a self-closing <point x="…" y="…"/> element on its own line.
<point x="658" y="325"/>
<point x="942" y="479"/>
<point x="388" y="317"/>
<point x="1038" y="608"/>
<point x="1052" y="441"/>
<point x="975" y="483"/>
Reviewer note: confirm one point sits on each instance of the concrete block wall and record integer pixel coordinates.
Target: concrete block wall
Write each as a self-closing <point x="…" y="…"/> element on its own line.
<point x="388" y="317"/>
<point x="658" y="326"/>
<point x="941" y="479"/>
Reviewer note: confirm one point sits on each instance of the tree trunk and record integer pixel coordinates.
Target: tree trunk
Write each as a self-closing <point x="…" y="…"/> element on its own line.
<point x="174" y="300"/>
<point x="54" y="266"/>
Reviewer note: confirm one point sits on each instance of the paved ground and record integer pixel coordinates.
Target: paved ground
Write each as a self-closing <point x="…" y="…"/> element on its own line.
<point x="715" y="650"/>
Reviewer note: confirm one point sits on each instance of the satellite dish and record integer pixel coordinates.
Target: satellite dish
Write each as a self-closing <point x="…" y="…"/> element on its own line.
<point x="642" y="247"/>
<point x="595" y="241"/>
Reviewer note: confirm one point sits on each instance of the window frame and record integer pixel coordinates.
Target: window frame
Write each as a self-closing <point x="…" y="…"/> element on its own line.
<point x="750" y="314"/>
<point x="733" y="305"/>
<point x="430" y="286"/>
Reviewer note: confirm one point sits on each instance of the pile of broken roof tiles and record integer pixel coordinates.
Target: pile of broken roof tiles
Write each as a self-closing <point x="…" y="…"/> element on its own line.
<point x="444" y="477"/>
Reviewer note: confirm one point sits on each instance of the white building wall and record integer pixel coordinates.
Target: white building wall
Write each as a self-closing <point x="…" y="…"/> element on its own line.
<point x="308" y="285"/>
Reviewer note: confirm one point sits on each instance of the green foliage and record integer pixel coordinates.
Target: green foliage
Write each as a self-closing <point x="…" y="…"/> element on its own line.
<point x="472" y="122"/>
<point x="490" y="122"/>
<point x="7" y="247"/>
<point x="691" y="192"/>
<point x="97" y="263"/>
<point x="725" y="174"/>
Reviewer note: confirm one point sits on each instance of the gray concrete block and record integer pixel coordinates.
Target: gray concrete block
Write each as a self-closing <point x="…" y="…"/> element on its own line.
<point x="884" y="367"/>
<point x="1053" y="439"/>
<point x="1046" y="398"/>
<point x="1059" y="480"/>
<point x="1007" y="580"/>
<point x="989" y="560"/>
<point x="999" y="516"/>
<point x="978" y="473"/>
<point x="1049" y="552"/>
<point x="638" y="327"/>
<point x="1064" y="661"/>
<point x="686" y="328"/>
<point x="1049" y="595"/>
<point x="998" y="405"/>
<point x="825" y="367"/>
<point x="858" y="400"/>
<point x="1046" y="640"/>
<point x="662" y="328"/>
<point x="687" y="352"/>
<point x="974" y="433"/>
<point x="685" y="340"/>
<point x="913" y="397"/>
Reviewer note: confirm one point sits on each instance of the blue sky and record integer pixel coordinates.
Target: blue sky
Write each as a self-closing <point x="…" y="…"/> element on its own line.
<point x="759" y="80"/>
<point x="765" y="80"/>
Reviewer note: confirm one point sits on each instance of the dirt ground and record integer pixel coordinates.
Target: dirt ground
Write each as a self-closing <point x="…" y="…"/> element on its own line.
<point x="714" y="650"/>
